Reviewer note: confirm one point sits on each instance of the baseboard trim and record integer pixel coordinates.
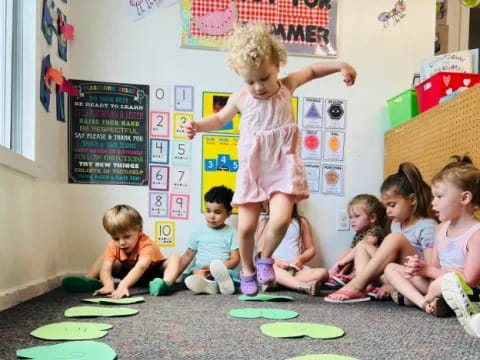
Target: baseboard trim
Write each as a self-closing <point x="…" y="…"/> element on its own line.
<point x="15" y="296"/>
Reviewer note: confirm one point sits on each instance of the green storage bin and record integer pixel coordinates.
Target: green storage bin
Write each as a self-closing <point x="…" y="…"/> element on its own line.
<point x="402" y="107"/>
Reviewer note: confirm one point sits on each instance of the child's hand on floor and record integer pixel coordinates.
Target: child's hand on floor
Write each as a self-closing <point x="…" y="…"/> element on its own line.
<point x="106" y="290"/>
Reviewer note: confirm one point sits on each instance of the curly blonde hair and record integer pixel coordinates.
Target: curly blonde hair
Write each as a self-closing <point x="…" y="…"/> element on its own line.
<point x="251" y="44"/>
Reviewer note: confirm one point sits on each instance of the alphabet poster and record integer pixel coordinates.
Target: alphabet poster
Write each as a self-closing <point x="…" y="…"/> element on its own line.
<point x="305" y="27"/>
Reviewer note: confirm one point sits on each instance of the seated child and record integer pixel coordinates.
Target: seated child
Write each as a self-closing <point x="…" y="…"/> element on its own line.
<point x="294" y="251"/>
<point x="214" y="247"/>
<point x="131" y="256"/>
<point x="368" y="219"/>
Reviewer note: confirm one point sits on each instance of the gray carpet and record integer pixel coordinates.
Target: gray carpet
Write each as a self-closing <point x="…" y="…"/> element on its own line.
<point x="187" y="326"/>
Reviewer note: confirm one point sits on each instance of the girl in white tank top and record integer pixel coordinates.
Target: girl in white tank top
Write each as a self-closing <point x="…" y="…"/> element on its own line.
<point x="456" y="197"/>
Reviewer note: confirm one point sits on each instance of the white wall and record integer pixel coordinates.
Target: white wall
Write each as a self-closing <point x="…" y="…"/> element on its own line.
<point x="108" y="47"/>
<point x="34" y="209"/>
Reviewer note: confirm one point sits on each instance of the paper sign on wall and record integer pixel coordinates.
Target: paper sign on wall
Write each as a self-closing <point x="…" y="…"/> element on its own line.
<point x="179" y="121"/>
<point x="165" y="233"/>
<point x="181" y="152"/>
<point x="183" y="98"/>
<point x="158" y="204"/>
<point x="312" y="113"/>
<point x="332" y="179"/>
<point x="179" y="204"/>
<point x="180" y="179"/>
<point x="311" y="145"/>
<point x="159" y="124"/>
<point x="335" y="114"/>
<point x="159" y="177"/>
<point x="160" y="97"/>
<point x="313" y="176"/>
<point x="334" y="145"/>
<point x="159" y="150"/>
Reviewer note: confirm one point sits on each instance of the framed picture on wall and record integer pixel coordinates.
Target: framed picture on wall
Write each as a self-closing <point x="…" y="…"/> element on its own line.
<point x="305" y="27"/>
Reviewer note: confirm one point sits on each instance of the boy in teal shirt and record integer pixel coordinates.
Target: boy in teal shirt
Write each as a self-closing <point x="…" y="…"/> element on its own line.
<point x="213" y="246"/>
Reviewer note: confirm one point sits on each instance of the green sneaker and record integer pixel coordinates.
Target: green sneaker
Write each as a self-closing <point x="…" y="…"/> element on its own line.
<point x="76" y="284"/>
<point x="157" y="287"/>
<point x="455" y="292"/>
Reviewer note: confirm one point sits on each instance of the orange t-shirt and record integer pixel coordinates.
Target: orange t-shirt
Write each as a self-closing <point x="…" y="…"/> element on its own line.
<point x="145" y="248"/>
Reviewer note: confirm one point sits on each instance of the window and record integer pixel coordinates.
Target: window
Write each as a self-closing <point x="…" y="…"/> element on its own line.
<point x="17" y="73"/>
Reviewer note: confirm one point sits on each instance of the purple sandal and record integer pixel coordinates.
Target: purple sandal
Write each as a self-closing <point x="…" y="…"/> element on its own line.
<point x="248" y="284"/>
<point x="265" y="273"/>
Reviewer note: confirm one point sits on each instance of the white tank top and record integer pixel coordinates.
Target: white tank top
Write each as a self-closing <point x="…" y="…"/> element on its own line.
<point x="288" y="248"/>
<point x="453" y="251"/>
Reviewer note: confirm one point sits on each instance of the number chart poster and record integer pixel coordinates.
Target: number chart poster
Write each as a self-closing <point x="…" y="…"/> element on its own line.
<point x="219" y="162"/>
<point x="108" y="134"/>
<point x="214" y="101"/>
<point x="305" y="27"/>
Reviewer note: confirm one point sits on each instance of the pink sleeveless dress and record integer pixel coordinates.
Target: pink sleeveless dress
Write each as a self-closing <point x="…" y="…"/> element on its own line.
<point x="269" y="151"/>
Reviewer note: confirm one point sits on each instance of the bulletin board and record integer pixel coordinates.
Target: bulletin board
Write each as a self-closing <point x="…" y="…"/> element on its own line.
<point x="431" y="138"/>
<point x="219" y="162"/>
<point x="305" y="27"/>
<point x="214" y="101"/>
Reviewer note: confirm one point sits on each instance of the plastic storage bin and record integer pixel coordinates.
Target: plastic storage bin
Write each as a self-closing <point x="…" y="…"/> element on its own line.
<point x="430" y="91"/>
<point x="402" y="107"/>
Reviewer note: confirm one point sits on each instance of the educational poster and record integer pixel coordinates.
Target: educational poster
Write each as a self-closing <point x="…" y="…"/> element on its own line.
<point x="312" y="113"/>
<point x="159" y="150"/>
<point x="179" y="205"/>
<point x="180" y="179"/>
<point x="332" y="179"/>
<point x="181" y="152"/>
<point x="160" y="97"/>
<point x="159" y="177"/>
<point x="312" y="145"/>
<point x="219" y="162"/>
<point x="313" y="176"/>
<point x="334" y="145"/>
<point x="165" y="233"/>
<point x="47" y="20"/>
<point x="213" y="102"/>
<point x="158" y="204"/>
<point x="183" y="98"/>
<point x="159" y="124"/>
<point x="179" y="121"/>
<point x="44" y="86"/>
<point x="107" y="134"/>
<point x="305" y="27"/>
<point x="335" y="114"/>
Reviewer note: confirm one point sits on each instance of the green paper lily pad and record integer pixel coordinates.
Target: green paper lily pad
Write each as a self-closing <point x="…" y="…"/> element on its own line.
<point x="323" y="357"/>
<point x="122" y="301"/>
<point x="84" y="350"/>
<point x="293" y="329"/>
<point x="71" y="331"/>
<point x="265" y="297"/>
<point x="89" y="311"/>
<point x="274" y="314"/>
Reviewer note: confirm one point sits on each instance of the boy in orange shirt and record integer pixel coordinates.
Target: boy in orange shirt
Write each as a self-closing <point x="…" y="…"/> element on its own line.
<point x="131" y="256"/>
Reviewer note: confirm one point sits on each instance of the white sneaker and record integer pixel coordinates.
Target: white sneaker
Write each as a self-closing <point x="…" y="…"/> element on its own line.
<point x="220" y="272"/>
<point x="199" y="285"/>
<point x="468" y="313"/>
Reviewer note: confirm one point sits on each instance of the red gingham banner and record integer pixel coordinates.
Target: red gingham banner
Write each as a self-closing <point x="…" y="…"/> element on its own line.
<point x="282" y="12"/>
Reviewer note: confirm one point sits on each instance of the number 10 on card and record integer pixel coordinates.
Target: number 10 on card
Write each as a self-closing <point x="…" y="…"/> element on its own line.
<point x="165" y="233"/>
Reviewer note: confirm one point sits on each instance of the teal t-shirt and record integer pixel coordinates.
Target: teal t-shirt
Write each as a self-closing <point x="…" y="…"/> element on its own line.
<point x="212" y="244"/>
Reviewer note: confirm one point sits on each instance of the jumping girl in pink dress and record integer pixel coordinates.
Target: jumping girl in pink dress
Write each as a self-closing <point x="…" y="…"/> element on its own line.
<point x="270" y="166"/>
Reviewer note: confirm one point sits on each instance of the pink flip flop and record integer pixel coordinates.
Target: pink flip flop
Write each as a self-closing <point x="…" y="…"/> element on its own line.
<point x="351" y="297"/>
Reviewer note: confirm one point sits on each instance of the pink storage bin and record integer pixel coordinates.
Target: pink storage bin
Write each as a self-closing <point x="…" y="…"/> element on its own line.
<point x="441" y="84"/>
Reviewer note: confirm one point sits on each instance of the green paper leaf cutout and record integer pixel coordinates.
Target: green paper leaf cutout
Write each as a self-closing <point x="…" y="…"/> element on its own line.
<point x="293" y="329"/>
<point x="273" y="314"/>
<point x="90" y="311"/>
<point x="71" y="331"/>
<point x="265" y="297"/>
<point x="122" y="301"/>
<point x="77" y="350"/>
<point x="323" y="357"/>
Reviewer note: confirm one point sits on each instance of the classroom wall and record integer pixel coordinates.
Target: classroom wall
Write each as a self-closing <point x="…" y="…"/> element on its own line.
<point x="34" y="209"/>
<point x="109" y="47"/>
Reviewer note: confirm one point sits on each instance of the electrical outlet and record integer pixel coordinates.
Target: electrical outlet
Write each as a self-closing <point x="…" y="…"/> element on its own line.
<point x="342" y="221"/>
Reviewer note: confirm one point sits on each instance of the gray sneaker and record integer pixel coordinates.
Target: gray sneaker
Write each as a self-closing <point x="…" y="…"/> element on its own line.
<point x="199" y="285"/>
<point x="220" y="273"/>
